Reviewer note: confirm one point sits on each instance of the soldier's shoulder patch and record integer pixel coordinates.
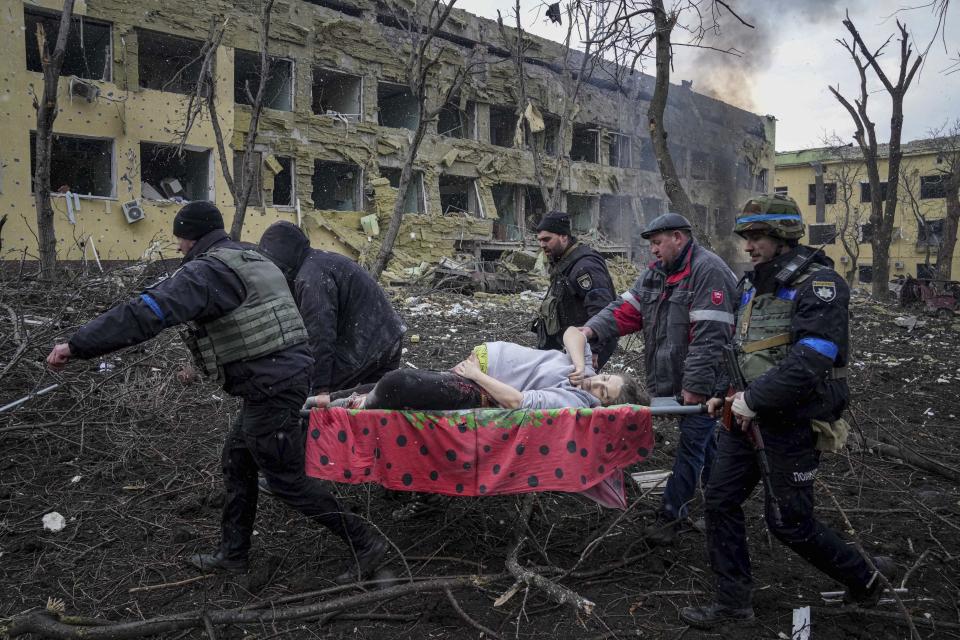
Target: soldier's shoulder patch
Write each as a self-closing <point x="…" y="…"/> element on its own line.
<point x="826" y="290"/>
<point x="585" y="281"/>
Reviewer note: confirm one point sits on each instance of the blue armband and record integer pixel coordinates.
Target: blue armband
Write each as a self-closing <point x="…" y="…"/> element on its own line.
<point x="150" y="302"/>
<point x="821" y="346"/>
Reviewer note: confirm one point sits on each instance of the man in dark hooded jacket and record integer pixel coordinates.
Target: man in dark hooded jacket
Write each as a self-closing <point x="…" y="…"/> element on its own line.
<point x="244" y="330"/>
<point x="355" y="335"/>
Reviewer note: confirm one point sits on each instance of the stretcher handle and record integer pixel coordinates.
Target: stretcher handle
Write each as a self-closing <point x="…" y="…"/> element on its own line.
<point x="663" y="408"/>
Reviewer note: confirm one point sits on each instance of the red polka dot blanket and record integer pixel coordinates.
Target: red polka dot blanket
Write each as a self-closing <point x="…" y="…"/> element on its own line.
<point x="482" y="451"/>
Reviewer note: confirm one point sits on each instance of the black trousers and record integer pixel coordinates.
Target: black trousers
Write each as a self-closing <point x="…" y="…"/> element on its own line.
<point x="421" y="389"/>
<point x="793" y="461"/>
<point x="268" y="435"/>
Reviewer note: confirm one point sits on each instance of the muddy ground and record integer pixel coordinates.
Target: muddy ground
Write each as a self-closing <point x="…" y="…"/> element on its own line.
<point x="129" y="457"/>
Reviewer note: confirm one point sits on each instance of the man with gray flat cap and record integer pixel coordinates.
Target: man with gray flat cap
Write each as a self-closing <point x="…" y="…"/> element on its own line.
<point x="580" y="286"/>
<point x="684" y="304"/>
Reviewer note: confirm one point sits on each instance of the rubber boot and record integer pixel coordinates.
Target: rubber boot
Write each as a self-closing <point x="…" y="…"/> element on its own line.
<point x="212" y="562"/>
<point x="368" y="549"/>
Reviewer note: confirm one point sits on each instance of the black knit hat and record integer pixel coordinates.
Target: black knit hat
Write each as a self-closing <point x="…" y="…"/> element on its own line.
<point x="196" y="220"/>
<point x="285" y="245"/>
<point x="555" y="222"/>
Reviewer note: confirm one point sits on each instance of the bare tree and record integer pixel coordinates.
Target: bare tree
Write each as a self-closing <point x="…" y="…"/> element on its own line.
<point x="845" y="171"/>
<point x="46" y="108"/>
<point x="423" y="71"/>
<point x="947" y="141"/>
<point x="576" y="68"/>
<point x="881" y="214"/>
<point x="205" y="97"/>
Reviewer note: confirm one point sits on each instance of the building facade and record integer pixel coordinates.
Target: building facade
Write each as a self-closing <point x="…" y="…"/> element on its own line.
<point x="338" y="118"/>
<point x="844" y="213"/>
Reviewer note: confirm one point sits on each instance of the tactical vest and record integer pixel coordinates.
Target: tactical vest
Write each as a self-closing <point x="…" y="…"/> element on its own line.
<point x="763" y="326"/>
<point x="552" y="312"/>
<point x="266" y="321"/>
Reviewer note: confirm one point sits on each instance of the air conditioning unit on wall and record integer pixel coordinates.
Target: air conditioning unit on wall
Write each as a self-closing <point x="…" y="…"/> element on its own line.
<point x="844" y="259"/>
<point x="85" y="90"/>
<point x="898" y="265"/>
<point x="132" y="211"/>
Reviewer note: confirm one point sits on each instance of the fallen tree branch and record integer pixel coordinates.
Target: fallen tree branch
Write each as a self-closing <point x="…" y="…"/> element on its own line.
<point x="557" y="593"/>
<point x="49" y="624"/>
<point x="470" y="621"/>
<point x="166" y="585"/>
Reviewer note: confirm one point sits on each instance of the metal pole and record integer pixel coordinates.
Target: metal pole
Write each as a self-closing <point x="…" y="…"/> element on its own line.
<point x="17" y="403"/>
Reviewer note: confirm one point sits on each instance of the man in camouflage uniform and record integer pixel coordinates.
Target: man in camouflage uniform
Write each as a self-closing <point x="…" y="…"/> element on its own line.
<point x="792" y="347"/>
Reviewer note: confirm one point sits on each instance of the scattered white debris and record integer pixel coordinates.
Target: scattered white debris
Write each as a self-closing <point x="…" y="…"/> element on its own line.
<point x="54" y="522"/>
<point x="75" y="479"/>
<point x="107" y="366"/>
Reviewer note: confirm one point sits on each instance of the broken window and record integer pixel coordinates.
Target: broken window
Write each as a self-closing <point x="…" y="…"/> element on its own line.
<point x="459" y="195"/>
<point x="823" y="233"/>
<point x="701" y="165"/>
<point x="865" y="191"/>
<point x="88" y="44"/>
<point x="80" y="165"/>
<point x="547" y="139"/>
<point x="238" y="174"/>
<point x="932" y="187"/>
<point x="283" y="182"/>
<point x="503" y="126"/>
<point x="865" y="273"/>
<point x="278" y="92"/>
<point x="760" y="181"/>
<point x="781" y="191"/>
<point x="586" y="140"/>
<point x="648" y="159"/>
<point x="506" y="197"/>
<point x="584" y="211"/>
<point x="168" y="63"/>
<point x="456" y="122"/>
<point x="616" y="217"/>
<point x="414" y="202"/>
<point x="534" y="208"/>
<point x="396" y="106"/>
<point x="929" y="233"/>
<point x="829" y="193"/>
<point x="337" y="186"/>
<point x="337" y="94"/>
<point x="164" y="174"/>
<point x="865" y="232"/>
<point x="619" y="150"/>
<point x="651" y="208"/>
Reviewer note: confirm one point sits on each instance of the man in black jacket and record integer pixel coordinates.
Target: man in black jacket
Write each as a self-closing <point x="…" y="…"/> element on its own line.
<point x="580" y="286"/>
<point x="243" y="329"/>
<point x="355" y="335"/>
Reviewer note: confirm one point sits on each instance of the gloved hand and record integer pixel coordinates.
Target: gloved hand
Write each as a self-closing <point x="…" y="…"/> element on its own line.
<point x="741" y="408"/>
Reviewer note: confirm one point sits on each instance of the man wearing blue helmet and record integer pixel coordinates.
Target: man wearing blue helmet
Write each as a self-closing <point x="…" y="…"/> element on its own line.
<point x="791" y="345"/>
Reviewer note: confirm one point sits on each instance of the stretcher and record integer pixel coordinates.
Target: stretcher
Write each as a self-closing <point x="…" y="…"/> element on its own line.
<point x="483" y="452"/>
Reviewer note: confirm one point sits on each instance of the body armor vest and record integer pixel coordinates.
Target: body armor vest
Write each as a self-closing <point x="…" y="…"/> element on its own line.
<point x="555" y="309"/>
<point x="763" y="325"/>
<point x="266" y="322"/>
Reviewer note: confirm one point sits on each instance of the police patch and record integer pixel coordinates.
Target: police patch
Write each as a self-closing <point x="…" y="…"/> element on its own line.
<point x="825" y="290"/>
<point x="585" y="281"/>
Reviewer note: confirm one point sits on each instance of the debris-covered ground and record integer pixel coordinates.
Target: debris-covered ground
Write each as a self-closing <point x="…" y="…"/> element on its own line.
<point x="129" y="457"/>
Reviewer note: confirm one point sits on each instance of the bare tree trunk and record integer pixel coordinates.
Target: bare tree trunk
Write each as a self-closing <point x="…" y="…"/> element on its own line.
<point x="46" y="110"/>
<point x="250" y="165"/>
<point x="679" y="200"/>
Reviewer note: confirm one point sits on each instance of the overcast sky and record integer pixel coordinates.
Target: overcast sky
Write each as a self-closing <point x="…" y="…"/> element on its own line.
<point x="792" y="56"/>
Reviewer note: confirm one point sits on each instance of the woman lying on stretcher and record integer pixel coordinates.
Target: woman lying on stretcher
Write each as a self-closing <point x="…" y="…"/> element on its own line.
<point x="499" y="374"/>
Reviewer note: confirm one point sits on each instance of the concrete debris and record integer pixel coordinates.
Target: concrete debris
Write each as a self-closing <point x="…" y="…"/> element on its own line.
<point x="54" y="522"/>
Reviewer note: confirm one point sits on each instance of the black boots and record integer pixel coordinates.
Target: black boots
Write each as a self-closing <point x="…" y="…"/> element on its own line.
<point x="209" y="562"/>
<point x="870" y="595"/>
<point x="662" y="532"/>
<point x="714" y="615"/>
<point x="367" y="550"/>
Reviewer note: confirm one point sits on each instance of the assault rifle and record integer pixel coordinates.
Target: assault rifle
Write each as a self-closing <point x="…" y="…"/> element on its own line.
<point x="739" y="383"/>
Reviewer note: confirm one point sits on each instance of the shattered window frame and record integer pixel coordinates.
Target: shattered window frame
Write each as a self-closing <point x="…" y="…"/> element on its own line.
<point x="930" y="233"/>
<point x="829" y="193"/>
<point x="163" y="75"/>
<point x="253" y="75"/>
<point x="865" y="273"/>
<point x="289" y="165"/>
<point x="781" y="191"/>
<point x="467" y="119"/>
<point x="507" y="116"/>
<point x="170" y="149"/>
<point x="865" y="191"/>
<point x="333" y="113"/>
<point x="409" y="123"/>
<point x="578" y="152"/>
<point x="623" y="143"/>
<point x="60" y="139"/>
<point x="474" y="204"/>
<point x="590" y="213"/>
<point x="508" y="225"/>
<point x="393" y="175"/>
<point x="75" y="51"/>
<point x="358" y="192"/>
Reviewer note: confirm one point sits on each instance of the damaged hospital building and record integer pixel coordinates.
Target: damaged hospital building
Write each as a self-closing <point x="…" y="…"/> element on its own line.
<point x="331" y="140"/>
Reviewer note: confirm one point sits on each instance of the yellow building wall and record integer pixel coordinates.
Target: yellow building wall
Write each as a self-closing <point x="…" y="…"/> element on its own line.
<point x="126" y="116"/>
<point x="905" y="254"/>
